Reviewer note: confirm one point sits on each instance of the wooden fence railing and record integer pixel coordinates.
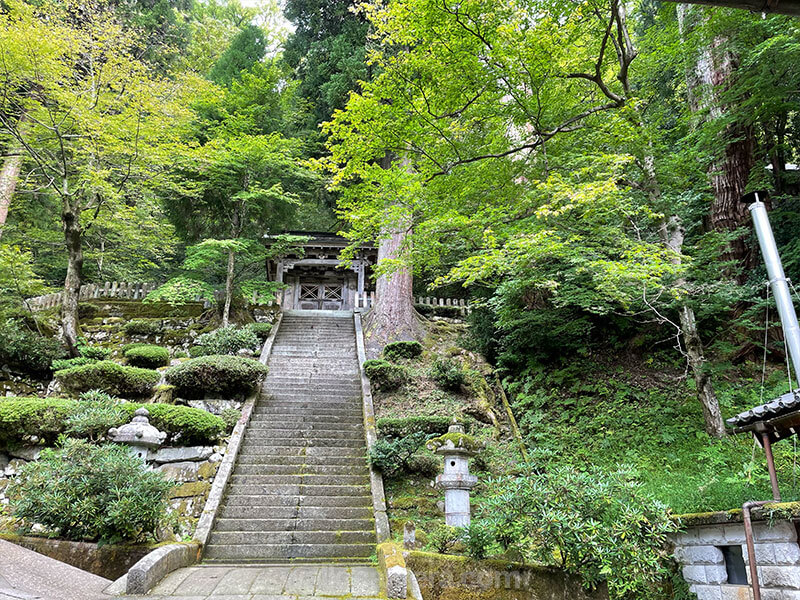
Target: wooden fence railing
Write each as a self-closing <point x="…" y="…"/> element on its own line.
<point x="367" y="300"/>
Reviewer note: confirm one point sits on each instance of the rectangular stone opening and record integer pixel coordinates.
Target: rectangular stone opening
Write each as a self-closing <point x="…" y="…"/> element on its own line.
<point x="734" y="564"/>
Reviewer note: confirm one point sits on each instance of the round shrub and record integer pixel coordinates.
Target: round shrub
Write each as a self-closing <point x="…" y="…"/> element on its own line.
<point x="27" y="351"/>
<point x="109" y="377"/>
<point x="228" y="340"/>
<point x="184" y="424"/>
<point x="262" y="330"/>
<point x="196" y="351"/>
<point x="147" y="356"/>
<point x="448" y="374"/>
<point x="384" y="375"/>
<point x="25" y="417"/>
<point x="142" y="326"/>
<point x="397" y="350"/>
<point x="95" y="413"/>
<point x="228" y="376"/>
<point x="94" y="352"/>
<point x="88" y="492"/>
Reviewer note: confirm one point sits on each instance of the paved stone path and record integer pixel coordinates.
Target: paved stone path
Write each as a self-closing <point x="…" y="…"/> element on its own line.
<point x="307" y="582"/>
<point x="27" y="575"/>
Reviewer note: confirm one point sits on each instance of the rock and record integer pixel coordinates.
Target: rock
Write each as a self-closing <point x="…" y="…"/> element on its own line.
<point x="3" y="461"/>
<point x="14" y="465"/>
<point x="207" y="470"/>
<point x="215" y="458"/>
<point x="169" y="455"/>
<point x="187" y="490"/>
<point x="26" y="452"/>
<point x="215" y="406"/>
<point x="180" y="471"/>
<point x="440" y="505"/>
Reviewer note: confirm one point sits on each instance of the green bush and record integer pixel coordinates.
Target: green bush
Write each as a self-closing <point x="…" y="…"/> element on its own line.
<point x="392" y="457"/>
<point x="444" y="538"/>
<point x="229" y="376"/>
<point x="401" y="427"/>
<point x="397" y="350"/>
<point x="231" y="417"/>
<point x="68" y="363"/>
<point x="478" y="539"/>
<point x="109" y="377"/>
<point x="181" y="290"/>
<point x="95" y="413"/>
<point x="25" y="417"/>
<point x="451" y="312"/>
<point x="197" y="351"/>
<point x="147" y="356"/>
<point x="47" y="418"/>
<point x="185" y="424"/>
<point x="228" y="340"/>
<point x="424" y="465"/>
<point x="143" y="326"/>
<point x="424" y="309"/>
<point x="545" y="516"/>
<point x="384" y="375"/>
<point x="262" y="330"/>
<point x="27" y="351"/>
<point x="93" y="352"/>
<point x="448" y="374"/>
<point x="89" y="492"/>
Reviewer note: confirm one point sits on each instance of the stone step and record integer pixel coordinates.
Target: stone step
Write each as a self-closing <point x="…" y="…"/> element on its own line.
<point x="283" y="489"/>
<point x="293" y="512"/>
<point x="314" y="460"/>
<point x="291" y="399"/>
<point x="257" y="538"/>
<point x="262" y="454"/>
<point x="299" y="479"/>
<point x="313" y="440"/>
<point x="295" y="500"/>
<point x="318" y="410"/>
<point x="259" y="552"/>
<point x="315" y="380"/>
<point x="293" y="524"/>
<point x="265" y="412"/>
<point x="312" y="353"/>
<point x="306" y="388"/>
<point x="279" y="427"/>
<point x="304" y="469"/>
<point x="275" y="435"/>
<point x="302" y="447"/>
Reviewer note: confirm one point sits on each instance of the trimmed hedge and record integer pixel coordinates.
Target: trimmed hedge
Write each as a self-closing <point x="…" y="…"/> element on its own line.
<point x="397" y="350"/>
<point x="448" y="374"/>
<point x="47" y="418"/>
<point x="384" y="375"/>
<point x="143" y="326"/>
<point x="146" y="356"/>
<point x="27" y="351"/>
<point x="451" y="312"/>
<point x="227" y="340"/>
<point x="68" y="363"/>
<point x="42" y="417"/>
<point x="402" y="427"/>
<point x="228" y="376"/>
<point x="109" y="377"/>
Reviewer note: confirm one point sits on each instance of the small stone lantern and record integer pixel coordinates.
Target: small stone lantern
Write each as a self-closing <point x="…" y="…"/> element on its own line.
<point x="456" y="447"/>
<point x="139" y="435"/>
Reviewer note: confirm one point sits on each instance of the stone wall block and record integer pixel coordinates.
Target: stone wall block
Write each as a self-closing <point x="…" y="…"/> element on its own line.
<point x="184" y="471"/>
<point x="194" y="453"/>
<point x="707" y="592"/>
<point x="713" y="536"/>
<point x="765" y="554"/>
<point x="786" y="553"/>
<point x="702" y="555"/>
<point x="780" y="577"/>
<point x="790" y="595"/>
<point x="781" y="531"/>
<point x="694" y="574"/>
<point x="740" y="592"/>
<point x="687" y="538"/>
<point x="734" y="534"/>
<point x="716" y="574"/>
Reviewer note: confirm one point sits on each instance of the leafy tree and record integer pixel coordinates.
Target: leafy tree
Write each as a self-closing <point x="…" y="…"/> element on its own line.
<point x="95" y="111"/>
<point x="246" y="49"/>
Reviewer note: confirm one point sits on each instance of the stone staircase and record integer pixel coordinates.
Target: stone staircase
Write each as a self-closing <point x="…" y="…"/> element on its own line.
<point x="300" y="490"/>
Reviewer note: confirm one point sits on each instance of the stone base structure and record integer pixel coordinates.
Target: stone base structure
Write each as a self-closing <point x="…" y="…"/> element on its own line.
<point x="713" y="555"/>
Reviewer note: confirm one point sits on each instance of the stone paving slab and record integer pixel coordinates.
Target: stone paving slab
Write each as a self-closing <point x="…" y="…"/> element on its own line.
<point x="302" y="582"/>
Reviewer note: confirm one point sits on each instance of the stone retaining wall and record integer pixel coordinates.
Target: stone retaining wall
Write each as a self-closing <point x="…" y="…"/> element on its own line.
<point x="444" y="577"/>
<point x="698" y="549"/>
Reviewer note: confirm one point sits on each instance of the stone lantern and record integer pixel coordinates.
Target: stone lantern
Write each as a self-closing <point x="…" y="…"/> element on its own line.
<point x="139" y="435"/>
<point x="456" y="447"/>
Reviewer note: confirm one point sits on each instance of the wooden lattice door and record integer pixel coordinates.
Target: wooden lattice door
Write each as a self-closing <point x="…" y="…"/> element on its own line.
<point x="324" y="296"/>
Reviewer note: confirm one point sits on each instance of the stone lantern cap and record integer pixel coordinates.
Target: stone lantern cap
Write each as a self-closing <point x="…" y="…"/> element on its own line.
<point x="138" y="432"/>
<point x="455" y="442"/>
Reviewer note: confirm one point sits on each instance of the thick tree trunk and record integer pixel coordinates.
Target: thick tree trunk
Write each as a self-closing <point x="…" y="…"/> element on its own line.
<point x="226" y="312"/>
<point x="73" y="236"/>
<point x="713" y="71"/>
<point x="393" y="317"/>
